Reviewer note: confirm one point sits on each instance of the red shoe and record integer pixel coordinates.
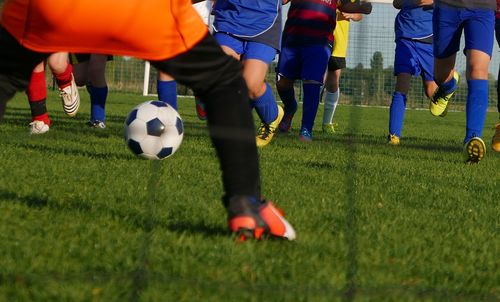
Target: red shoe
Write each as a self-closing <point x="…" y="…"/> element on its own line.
<point x="200" y="109"/>
<point x="249" y="218"/>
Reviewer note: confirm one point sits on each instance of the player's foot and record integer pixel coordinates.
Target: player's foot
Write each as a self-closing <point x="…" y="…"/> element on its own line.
<point x="305" y="135"/>
<point x="439" y="101"/>
<point x="495" y="141"/>
<point x="286" y="123"/>
<point x="96" y="124"/>
<point x="393" y="139"/>
<point x="70" y="98"/>
<point x="329" y="128"/>
<point x="249" y="218"/>
<point x="266" y="131"/>
<point x="38" y="127"/>
<point x="200" y="109"/>
<point x="474" y="150"/>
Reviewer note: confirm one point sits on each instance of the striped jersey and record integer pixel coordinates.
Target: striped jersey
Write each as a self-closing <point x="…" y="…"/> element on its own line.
<point x="498" y="10"/>
<point x="251" y="20"/>
<point x="414" y="22"/>
<point x="310" y="22"/>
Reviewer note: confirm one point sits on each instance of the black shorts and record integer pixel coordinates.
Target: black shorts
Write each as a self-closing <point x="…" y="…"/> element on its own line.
<point x="335" y="63"/>
<point x="76" y="58"/>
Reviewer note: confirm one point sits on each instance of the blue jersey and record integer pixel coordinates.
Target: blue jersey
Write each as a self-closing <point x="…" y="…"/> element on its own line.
<point x="252" y="20"/>
<point x="414" y="22"/>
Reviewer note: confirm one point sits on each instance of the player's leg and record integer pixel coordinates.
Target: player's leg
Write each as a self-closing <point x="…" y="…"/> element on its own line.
<point x="166" y="87"/>
<point x="447" y="30"/>
<point x="478" y="31"/>
<point x="97" y="87"/>
<point x="287" y="71"/>
<point x="495" y="140"/>
<point x="37" y="98"/>
<point x="63" y="73"/>
<point x="332" y="92"/>
<point x="314" y="63"/>
<point x="256" y="59"/>
<point x="16" y="65"/>
<point x="218" y="80"/>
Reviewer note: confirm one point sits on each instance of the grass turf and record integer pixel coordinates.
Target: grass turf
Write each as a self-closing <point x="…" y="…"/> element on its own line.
<point x="85" y="220"/>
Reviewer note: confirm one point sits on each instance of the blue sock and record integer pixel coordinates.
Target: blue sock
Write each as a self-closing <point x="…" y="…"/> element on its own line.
<point x="448" y="87"/>
<point x="397" y="113"/>
<point x="167" y="92"/>
<point x="476" y="107"/>
<point x="288" y="98"/>
<point x="310" y="104"/>
<point x="266" y="106"/>
<point x="98" y="97"/>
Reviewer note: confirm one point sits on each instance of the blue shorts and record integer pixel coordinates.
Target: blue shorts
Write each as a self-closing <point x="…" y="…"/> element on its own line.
<point x="304" y="63"/>
<point x="415" y="58"/>
<point x="247" y="49"/>
<point x="448" y="23"/>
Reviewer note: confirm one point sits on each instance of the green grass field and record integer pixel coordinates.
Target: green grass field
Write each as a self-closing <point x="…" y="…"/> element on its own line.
<point x="82" y="219"/>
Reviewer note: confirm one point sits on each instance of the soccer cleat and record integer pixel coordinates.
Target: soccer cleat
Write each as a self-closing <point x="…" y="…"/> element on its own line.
<point x="474" y="150"/>
<point x="266" y="131"/>
<point x="200" y="109"/>
<point x="439" y="101"/>
<point x="96" y="124"/>
<point x="252" y="219"/>
<point x="393" y="139"/>
<point x="305" y="135"/>
<point x="70" y="98"/>
<point x="286" y="123"/>
<point x="495" y="141"/>
<point x="329" y="128"/>
<point x="38" y="127"/>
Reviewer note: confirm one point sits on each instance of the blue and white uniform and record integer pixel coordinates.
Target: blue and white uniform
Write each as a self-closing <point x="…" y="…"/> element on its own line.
<point x="251" y="28"/>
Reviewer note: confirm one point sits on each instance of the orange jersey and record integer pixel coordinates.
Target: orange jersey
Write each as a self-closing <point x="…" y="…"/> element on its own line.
<point x="148" y="29"/>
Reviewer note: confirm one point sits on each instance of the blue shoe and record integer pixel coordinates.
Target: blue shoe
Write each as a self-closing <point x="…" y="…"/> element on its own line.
<point x="305" y="135"/>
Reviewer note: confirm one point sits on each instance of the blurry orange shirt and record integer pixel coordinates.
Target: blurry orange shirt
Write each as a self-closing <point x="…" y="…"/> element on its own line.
<point x="148" y="29"/>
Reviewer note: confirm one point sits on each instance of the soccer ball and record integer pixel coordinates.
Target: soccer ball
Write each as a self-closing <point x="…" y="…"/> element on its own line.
<point x="153" y="130"/>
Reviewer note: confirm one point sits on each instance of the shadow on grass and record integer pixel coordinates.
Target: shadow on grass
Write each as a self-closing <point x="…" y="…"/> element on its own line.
<point x="129" y="217"/>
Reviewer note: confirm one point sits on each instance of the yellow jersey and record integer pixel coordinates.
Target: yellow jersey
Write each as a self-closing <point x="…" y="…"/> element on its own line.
<point x="340" y="36"/>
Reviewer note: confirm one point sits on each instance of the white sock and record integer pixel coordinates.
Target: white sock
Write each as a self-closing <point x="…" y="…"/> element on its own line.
<point x="331" y="101"/>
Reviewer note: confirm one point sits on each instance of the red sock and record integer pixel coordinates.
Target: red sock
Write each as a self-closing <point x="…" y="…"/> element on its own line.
<point x="64" y="79"/>
<point x="37" y="94"/>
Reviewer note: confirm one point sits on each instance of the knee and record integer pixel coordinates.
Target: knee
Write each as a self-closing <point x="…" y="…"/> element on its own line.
<point x="256" y="89"/>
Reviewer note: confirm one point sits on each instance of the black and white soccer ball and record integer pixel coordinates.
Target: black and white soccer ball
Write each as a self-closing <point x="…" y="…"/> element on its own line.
<point x="153" y="130"/>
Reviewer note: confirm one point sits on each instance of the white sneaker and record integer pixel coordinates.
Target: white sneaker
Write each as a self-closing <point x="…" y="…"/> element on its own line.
<point x="96" y="124"/>
<point x="38" y="127"/>
<point x="70" y="98"/>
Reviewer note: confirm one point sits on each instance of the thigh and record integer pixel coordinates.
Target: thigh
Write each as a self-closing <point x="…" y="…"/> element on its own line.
<point x="447" y="27"/>
<point x="314" y="62"/>
<point x="203" y="67"/>
<point x="425" y="57"/>
<point x="258" y="51"/>
<point x="289" y="65"/>
<point x="478" y="29"/>
<point x="230" y="42"/>
<point x="404" y="59"/>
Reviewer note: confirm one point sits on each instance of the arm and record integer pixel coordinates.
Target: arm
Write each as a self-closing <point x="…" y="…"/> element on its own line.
<point x="286" y="1"/>
<point x="352" y="17"/>
<point x="398" y="4"/>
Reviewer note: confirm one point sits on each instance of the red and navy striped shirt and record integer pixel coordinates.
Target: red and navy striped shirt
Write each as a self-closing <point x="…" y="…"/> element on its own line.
<point x="310" y="22"/>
